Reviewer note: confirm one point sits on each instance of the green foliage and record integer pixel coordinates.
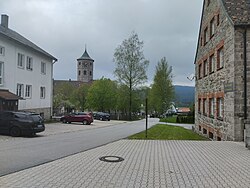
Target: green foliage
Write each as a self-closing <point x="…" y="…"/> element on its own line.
<point x="162" y="92"/>
<point x="102" y="95"/>
<point x="185" y="119"/>
<point x="79" y="96"/>
<point x="171" y="119"/>
<point x="123" y="99"/>
<point x="131" y="65"/>
<point x="62" y="96"/>
<point x="179" y="119"/>
<point x="168" y="132"/>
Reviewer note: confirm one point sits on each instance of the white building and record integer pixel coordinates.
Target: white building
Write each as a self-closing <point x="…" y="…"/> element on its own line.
<point x="26" y="70"/>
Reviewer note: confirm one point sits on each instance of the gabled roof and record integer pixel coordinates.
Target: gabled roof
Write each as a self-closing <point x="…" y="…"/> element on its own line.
<point x="8" y="33"/>
<point x="85" y="56"/>
<point x="6" y="95"/>
<point x="238" y="11"/>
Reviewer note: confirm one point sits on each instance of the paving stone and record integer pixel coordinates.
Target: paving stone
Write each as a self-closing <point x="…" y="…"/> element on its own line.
<point x="146" y="164"/>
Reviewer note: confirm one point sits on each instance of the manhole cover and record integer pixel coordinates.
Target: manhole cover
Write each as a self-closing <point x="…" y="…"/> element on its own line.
<point x="111" y="159"/>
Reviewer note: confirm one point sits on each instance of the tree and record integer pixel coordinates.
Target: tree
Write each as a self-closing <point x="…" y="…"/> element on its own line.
<point x="102" y="95"/>
<point x="79" y="97"/>
<point x="162" y="91"/>
<point x="131" y="65"/>
<point x="62" y="97"/>
<point x="123" y="100"/>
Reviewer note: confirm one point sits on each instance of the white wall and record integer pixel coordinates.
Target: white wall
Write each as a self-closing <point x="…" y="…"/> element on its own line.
<point x="13" y="74"/>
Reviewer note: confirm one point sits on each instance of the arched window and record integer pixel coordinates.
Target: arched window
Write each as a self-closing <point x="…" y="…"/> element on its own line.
<point x="79" y="72"/>
<point x="84" y="72"/>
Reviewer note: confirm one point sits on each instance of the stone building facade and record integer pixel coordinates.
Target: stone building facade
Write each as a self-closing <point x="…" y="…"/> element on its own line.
<point x="221" y="103"/>
<point x="85" y="68"/>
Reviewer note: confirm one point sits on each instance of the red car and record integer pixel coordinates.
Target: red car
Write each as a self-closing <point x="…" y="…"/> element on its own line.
<point x="85" y="118"/>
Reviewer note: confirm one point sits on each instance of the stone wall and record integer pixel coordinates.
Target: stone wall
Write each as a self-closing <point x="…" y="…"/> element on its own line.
<point x="220" y="83"/>
<point x="239" y="81"/>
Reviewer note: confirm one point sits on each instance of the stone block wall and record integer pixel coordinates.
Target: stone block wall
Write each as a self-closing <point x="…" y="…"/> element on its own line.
<point x="221" y="82"/>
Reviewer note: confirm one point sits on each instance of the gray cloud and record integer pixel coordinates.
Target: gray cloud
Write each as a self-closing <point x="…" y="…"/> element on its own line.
<point x="168" y="28"/>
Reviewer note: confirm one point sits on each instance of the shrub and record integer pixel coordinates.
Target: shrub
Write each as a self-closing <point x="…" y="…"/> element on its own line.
<point x="185" y="119"/>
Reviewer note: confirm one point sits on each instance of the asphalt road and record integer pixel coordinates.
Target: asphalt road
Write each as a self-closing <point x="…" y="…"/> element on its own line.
<point x="19" y="154"/>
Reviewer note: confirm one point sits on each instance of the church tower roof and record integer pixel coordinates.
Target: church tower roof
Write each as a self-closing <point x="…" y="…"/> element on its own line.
<point x="85" y="56"/>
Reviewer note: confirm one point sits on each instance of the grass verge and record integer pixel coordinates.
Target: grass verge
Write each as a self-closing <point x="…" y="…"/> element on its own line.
<point x="167" y="132"/>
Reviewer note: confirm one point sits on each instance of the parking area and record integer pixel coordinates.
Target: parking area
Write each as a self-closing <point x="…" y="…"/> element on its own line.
<point x="60" y="128"/>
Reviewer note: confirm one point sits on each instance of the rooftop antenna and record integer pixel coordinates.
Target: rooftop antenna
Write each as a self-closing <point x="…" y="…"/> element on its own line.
<point x="191" y="77"/>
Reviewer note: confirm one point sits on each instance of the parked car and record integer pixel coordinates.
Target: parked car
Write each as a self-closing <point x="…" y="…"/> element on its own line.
<point x="84" y="117"/>
<point x="102" y="116"/>
<point x="20" y="123"/>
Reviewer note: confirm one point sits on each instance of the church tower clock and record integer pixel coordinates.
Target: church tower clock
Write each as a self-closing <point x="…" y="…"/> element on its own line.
<point x="85" y="68"/>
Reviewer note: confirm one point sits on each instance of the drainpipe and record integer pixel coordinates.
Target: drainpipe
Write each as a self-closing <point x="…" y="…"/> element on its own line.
<point x="245" y="72"/>
<point x="246" y="122"/>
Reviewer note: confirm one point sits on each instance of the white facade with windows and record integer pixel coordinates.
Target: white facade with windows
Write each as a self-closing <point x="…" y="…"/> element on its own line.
<point x="24" y="70"/>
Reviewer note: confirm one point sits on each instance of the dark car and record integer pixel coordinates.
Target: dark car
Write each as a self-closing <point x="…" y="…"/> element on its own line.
<point x="20" y="123"/>
<point x="102" y="116"/>
<point x="84" y="117"/>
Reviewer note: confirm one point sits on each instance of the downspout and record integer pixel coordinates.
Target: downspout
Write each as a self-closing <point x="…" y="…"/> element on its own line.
<point x="246" y="122"/>
<point x="245" y="72"/>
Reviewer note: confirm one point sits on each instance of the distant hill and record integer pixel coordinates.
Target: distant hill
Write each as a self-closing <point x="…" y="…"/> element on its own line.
<point x="184" y="95"/>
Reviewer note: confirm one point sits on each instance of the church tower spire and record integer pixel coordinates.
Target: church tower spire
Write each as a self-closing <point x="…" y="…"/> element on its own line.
<point x="85" y="67"/>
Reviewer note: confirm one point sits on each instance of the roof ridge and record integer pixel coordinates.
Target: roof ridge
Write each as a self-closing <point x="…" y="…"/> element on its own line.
<point x="7" y="32"/>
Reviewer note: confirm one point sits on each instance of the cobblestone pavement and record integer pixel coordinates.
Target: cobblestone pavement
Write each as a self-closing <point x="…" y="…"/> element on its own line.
<point x="59" y="128"/>
<point x="146" y="164"/>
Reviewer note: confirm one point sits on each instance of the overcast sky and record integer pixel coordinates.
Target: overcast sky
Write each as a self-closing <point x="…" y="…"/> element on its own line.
<point x="168" y="28"/>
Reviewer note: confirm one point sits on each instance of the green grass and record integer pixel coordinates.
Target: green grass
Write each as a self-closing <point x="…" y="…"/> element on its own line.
<point x="171" y="119"/>
<point x="168" y="132"/>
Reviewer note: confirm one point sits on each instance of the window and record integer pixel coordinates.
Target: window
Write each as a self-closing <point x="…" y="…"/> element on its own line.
<point x="42" y="92"/>
<point x="29" y="63"/>
<point x="90" y="73"/>
<point x="219" y="108"/>
<point x="199" y="106"/>
<point x="79" y="63"/>
<point x="19" y="90"/>
<point x="205" y="107"/>
<point x="43" y="68"/>
<point x="2" y="50"/>
<point x="79" y="73"/>
<point x="218" y="19"/>
<point x="205" y="68"/>
<point x="20" y="60"/>
<point x="1" y="73"/>
<point x="201" y="42"/>
<point x="211" y="107"/>
<point x="220" y="58"/>
<point x="85" y="72"/>
<point x="211" y="63"/>
<point x="205" y="36"/>
<point x="28" y="91"/>
<point x="212" y="27"/>
<point x="199" y="71"/>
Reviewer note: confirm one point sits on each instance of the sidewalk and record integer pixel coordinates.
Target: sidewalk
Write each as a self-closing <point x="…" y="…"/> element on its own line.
<point x="146" y="164"/>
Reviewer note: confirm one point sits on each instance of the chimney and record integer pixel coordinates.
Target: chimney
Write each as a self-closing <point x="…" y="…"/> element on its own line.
<point x="4" y="20"/>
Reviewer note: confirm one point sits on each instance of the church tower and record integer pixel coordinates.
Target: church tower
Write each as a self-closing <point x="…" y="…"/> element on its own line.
<point x="85" y="68"/>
